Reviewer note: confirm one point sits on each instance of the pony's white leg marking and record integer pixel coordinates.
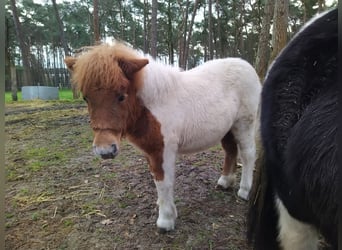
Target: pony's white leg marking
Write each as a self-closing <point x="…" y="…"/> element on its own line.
<point x="293" y="234"/>
<point x="227" y="181"/>
<point x="244" y="134"/>
<point x="247" y="171"/>
<point x="228" y="177"/>
<point x="167" y="208"/>
<point x="165" y="190"/>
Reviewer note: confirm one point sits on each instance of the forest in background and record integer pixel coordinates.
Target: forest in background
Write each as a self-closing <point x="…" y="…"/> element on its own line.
<point x="39" y="34"/>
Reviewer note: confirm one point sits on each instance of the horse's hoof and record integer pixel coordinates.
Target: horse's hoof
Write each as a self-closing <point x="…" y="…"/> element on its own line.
<point x="165" y="225"/>
<point x="226" y="181"/>
<point x="243" y="194"/>
<point x="162" y="230"/>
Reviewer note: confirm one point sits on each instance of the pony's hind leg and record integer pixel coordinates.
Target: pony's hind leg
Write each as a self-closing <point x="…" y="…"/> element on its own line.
<point x="244" y="134"/>
<point x="227" y="178"/>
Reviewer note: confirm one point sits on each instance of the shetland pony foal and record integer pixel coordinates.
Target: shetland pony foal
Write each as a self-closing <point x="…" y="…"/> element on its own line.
<point x="164" y="111"/>
<point x="297" y="197"/>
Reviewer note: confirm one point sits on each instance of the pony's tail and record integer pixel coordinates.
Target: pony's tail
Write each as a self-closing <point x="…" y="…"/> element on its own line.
<point x="262" y="217"/>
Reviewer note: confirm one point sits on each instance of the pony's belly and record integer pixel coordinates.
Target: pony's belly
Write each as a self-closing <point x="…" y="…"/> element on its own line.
<point x="198" y="144"/>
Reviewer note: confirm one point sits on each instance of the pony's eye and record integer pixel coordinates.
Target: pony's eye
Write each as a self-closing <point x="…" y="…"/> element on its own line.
<point x="85" y="99"/>
<point x="121" y="98"/>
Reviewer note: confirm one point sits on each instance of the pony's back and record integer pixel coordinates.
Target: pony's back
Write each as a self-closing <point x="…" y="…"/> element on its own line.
<point x="299" y="130"/>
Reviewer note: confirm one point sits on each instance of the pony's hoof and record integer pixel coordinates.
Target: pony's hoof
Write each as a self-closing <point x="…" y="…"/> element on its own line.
<point x="226" y="181"/>
<point x="162" y="230"/>
<point x="243" y="194"/>
<point x="165" y="225"/>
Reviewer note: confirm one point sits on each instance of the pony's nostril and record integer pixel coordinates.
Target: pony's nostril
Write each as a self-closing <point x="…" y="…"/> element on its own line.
<point x="114" y="148"/>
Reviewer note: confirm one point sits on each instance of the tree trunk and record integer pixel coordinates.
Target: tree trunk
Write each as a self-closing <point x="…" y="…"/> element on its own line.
<point x="61" y="29"/>
<point x="204" y="37"/>
<point x="154" y="28"/>
<point x="261" y="61"/>
<point x="75" y="92"/>
<point x="23" y="46"/>
<point x="121" y="21"/>
<point x="321" y="6"/>
<point x="9" y="64"/>
<point x="145" y="27"/>
<point x="220" y="47"/>
<point x="239" y="28"/>
<point x="279" y="37"/>
<point x="14" y="84"/>
<point x="182" y="35"/>
<point x="188" y="39"/>
<point x="170" y="35"/>
<point x="96" y="22"/>
<point x="305" y="11"/>
<point x="210" y="31"/>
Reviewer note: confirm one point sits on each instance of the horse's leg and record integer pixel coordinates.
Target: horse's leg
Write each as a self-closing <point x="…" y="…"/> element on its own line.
<point x="244" y="134"/>
<point x="294" y="234"/>
<point x="163" y="171"/>
<point x="227" y="178"/>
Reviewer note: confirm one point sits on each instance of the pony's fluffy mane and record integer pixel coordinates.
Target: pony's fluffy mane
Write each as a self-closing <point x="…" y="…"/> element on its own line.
<point x="98" y="67"/>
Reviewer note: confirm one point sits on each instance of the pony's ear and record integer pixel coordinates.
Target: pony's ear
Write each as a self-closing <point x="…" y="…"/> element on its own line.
<point x="70" y="61"/>
<point x="131" y="66"/>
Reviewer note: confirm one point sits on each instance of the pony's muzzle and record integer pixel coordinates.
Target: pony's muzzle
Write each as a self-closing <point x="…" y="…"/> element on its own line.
<point x="108" y="152"/>
<point x="106" y="143"/>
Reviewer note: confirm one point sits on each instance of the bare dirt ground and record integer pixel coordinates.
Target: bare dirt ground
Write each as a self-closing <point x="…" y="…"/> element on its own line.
<point x="60" y="196"/>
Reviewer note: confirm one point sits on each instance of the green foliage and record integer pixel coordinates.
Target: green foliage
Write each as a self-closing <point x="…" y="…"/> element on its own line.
<point x="236" y="27"/>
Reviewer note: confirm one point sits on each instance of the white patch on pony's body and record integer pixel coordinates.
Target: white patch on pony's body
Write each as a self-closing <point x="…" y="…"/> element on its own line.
<point x="196" y="109"/>
<point x="293" y="234"/>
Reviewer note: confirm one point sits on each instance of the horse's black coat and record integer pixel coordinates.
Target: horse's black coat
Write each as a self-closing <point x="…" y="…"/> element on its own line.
<point x="299" y="136"/>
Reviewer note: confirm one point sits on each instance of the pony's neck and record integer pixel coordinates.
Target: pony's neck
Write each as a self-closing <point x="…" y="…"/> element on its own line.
<point x="159" y="81"/>
<point x="144" y="132"/>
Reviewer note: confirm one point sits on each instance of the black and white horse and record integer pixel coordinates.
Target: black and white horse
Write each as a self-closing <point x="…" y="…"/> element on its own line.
<point x="295" y="199"/>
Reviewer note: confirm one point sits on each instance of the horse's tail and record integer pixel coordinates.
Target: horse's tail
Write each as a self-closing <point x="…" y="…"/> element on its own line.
<point x="262" y="217"/>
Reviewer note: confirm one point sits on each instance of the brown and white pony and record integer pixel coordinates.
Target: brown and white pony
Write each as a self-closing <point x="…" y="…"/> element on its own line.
<point x="165" y="111"/>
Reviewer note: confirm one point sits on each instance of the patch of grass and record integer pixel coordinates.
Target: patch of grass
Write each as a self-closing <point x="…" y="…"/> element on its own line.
<point x="217" y="194"/>
<point x="12" y="174"/>
<point x="130" y="195"/>
<point x="110" y="176"/>
<point x="25" y="200"/>
<point x="36" y="166"/>
<point x="43" y="156"/>
<point x="35" y="216"/>
<point x="88" y="208"/>
<point x="122" y="205"/>
<point x="118" y="239"/>
<point x="8" y="97"/>
<point x="24" y="191"/>
<point x="64" y="95"/>
<point x="68" y="222"/>
<point x="9" y="215"/>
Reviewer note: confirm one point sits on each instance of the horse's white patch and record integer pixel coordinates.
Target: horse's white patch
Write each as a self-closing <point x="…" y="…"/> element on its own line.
<point x="293" y="234"/>
<point x="227" y="181"/>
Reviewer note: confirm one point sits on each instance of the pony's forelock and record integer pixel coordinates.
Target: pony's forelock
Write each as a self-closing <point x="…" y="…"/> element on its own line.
<point x="98" y="67"/>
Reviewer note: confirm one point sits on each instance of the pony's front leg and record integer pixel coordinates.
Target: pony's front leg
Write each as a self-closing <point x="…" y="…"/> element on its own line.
<point x="163" y="171"/>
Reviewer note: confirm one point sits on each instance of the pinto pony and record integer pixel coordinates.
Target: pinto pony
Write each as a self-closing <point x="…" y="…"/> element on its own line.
<point x="296" y="198"/>
<point x="164" y="111"/>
